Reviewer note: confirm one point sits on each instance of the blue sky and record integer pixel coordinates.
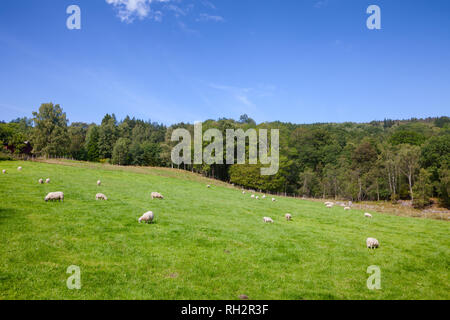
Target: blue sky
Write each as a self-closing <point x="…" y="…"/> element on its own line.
<point x="300" y="61"/>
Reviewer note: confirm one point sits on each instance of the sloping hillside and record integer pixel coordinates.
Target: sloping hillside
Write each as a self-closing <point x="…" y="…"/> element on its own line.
<point x="205" y="243"/>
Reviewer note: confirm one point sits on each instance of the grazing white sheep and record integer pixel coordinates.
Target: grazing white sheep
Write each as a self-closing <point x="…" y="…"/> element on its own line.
<point x="252" y="196"/>
<point x="372" y="243"/>
<point x="347" y="208"/>
<point x="208" y="186"/>
<point x="267" y="220"/>
<point x="329" y="205"/>
<point x="100" y="196"/>
<point x="264" y="196"/>
<point x="19" y="168"/>
<point x="156" y="195"/>
<point x="288" y="217"/>
<point x="41" y="181"/>
<point x="243" y="192"/>
<point x="273" y="199"/>
<point x="147" y="217"/>
<point x="99" y="183"/>
<point x="257" y="197"/>
<point x="4" y="171"/>
<point x="52" y="196"/>
<point x="47" y="180"/>
<point x="328" y="202"/>
<point x="367" y="215"/>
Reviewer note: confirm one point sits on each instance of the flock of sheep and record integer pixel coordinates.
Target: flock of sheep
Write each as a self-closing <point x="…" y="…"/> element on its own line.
<point x="257" y="197"/>
<point x="288" y="216"/>
<point x="149" y="216"/>
<point x="371" y="243"/>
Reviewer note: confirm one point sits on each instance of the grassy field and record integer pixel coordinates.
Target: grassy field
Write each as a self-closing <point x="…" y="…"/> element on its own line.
<point x="205" y="244"/>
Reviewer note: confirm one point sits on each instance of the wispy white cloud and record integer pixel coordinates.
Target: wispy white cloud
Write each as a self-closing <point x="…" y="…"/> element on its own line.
<point x="176" y="10"/>
<point x="245" y="100"/>
<point x="240" y="94"/>
<point x="207" y="17"/>
<point x="246" y="96"/>
<point x="208" y="4"/>
<point x="128" y="10"/>
<point x="321" y="4"/>
<point x="186" y="29"/>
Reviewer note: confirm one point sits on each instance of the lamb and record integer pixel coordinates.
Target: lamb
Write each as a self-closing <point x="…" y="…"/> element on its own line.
<point x="267" y="220"/>
<point x="99" y="183"/>
<point x="264" y="196"/>
<point x="252" y="196"/>
<point x="273" y="199"/>
<point x="4" y="171"/>
<point x="47" y="180"/>
<point x="347" y="208"/>
<point x="243" y="192"/>
<point x="100" y="196"/>
<point x="147" y="217"/>
<point x="208" y="186"/>
<point x="367" y="215"/>
<point x="288" y="217"/>
<point x="41" y="181"/>
<point x="372" y="243"/>
<point x="329" y="205"/>
<point x="257" y="197"/>
<point x="19" y="168"/>
<point x="55" y="196"/>
<point x="156" y="195"/>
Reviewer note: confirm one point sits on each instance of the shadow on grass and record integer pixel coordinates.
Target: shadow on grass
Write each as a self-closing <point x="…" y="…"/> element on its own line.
<point x="6" y="213"/>
<point x="150" y="223"/>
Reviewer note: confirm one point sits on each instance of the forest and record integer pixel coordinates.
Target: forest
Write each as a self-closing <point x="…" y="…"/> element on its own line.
<point x="381" y="160"/>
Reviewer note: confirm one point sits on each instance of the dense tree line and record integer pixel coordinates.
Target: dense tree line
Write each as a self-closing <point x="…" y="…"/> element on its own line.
<point x="380" y="160"/>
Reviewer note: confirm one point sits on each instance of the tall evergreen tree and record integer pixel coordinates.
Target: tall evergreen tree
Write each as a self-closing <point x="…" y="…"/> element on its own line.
<point x="107" y="136"/>
<point x="91" y="144"/>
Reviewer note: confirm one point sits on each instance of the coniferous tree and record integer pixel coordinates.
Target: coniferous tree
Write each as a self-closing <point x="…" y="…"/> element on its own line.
<point x="91" y="144"/>
<point x="107" y="136"/>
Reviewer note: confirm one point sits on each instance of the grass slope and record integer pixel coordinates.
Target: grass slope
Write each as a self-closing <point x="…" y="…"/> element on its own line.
<point x="205" y="244"/>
